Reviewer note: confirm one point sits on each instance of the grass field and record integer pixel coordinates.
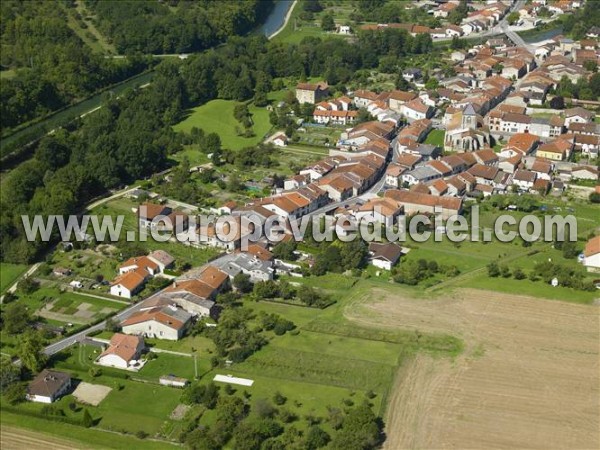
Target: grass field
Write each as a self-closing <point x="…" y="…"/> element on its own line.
<point x="216" y="116"/>
<point x="436" y="137"/>
<point x="9" y="274"/>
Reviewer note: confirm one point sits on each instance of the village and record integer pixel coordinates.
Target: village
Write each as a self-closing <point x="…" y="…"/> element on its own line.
<point x="498" y="125"/>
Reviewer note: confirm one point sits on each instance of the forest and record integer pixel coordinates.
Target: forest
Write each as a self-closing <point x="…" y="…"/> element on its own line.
<point x="52" y="66"/>
<point x="176" y="27"/>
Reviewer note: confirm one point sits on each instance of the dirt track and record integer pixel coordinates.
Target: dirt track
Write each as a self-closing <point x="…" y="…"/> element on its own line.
<point x="19" y="439"/>
<point x="529" y="376"/>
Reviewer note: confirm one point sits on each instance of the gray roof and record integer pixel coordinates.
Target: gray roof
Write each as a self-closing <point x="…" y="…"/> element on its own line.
<point x="423" y="173"/>
<point x="427" y="149"/>
<point x="469" y="110"/>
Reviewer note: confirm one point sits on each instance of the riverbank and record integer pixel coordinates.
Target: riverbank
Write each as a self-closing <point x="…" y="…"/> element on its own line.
<point x="288" y="15"/>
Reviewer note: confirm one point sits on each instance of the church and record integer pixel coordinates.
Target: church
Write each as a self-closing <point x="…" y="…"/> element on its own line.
<point x="465" y="131"/>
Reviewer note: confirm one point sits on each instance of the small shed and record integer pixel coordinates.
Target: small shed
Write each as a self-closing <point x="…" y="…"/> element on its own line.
<point x="172" y="380"/>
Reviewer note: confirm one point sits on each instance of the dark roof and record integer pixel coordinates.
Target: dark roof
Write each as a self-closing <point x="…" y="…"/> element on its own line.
<point x="389" y="252"/>
<point x="48" y="383"/>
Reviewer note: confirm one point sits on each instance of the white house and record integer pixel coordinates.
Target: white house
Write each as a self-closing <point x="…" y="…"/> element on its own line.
<point x="122" y="352"/>
<point x="591" y="254"/>
<point x="48" y="386"/>
<point x="384" y="256"/>
<point x="280" y="140"/>
<point x="129" y="283"/>
<point x="167" y="322"/>
<point x="416" y="110"/>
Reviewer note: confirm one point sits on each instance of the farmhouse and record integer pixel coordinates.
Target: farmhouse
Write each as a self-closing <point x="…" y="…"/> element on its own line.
<point x="122" y="352"/>
<point x="48" y="386"/>
<point x="384" y="256"/>
<point x="167" y="322"/>
<point x="129" y="283"/>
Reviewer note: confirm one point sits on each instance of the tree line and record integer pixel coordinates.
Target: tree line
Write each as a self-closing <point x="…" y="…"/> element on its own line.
<point x="53" y="66"/>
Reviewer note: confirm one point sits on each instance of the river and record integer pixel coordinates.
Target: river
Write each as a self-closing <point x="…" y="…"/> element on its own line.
<point x="277" y="17"/>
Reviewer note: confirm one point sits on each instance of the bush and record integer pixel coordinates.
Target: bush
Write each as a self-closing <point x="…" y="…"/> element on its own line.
<point x="518" y="274"/>
<point x="279" y="399"/>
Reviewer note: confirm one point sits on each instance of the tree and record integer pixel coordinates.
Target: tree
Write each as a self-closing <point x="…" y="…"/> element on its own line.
<point x="285" y="250"/>
<point x="569" y="250"/>
<point x="279" y="399"/>
<point x="29" y="351"/>
<point x="316" y="438"/>
<point x="493" y="269"/>
<point x="242" y="283"/>
<point x="87" y="419"/>
<point x="15" y="318"/>
<point x="327" y="22"/>
<point x="9" y="372"/>
<point x="15" y="393"/>
<point x="28" y="285"/>
<point x="557" y="102"/>
<point x="513" y="18"/>
<point x="353" y="254"/>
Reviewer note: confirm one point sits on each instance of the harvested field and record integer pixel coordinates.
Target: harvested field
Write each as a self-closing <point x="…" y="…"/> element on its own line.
<point x="528" y="377"/>
<point x="20" y="439"/>
<point x="91" y="394"/>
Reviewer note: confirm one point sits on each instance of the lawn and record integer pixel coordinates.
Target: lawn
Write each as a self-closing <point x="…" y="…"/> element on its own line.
<point x="216" y="116"/>
<point x="9" y="274"/>
<point x="180" y="366"/>
<point x="436" y="137"/>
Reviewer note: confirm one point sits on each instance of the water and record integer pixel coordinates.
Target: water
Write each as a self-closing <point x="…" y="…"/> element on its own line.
<point x="542" y="35"/>
<point x="277" y="17"/>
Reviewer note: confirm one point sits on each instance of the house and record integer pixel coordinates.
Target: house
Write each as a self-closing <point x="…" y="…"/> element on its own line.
<point x="591" y="254"/>
<point x="166" y="322"/>
<point x="411" y="74"/>
<point x="139" y="262"/>
<point x="398" y="98"/>
<point x="61" y="272"/>
<point x="557" y="150"/>
<point x="48" y="386"/>
<point x="193" y="295"/>
<point x="393" y="173"/>
<point x="129" y="283"/>
<point x="416" y="110"/>
<point x="163" y="259"/>
<point x="414" y="203"/>
<point x="543" y="169"/>
<point x="384" y="256"/>
<point x="578" y="115"/>
<point x="585" y="173"/>
<point x="123" y="351"/>
<point x="161" y="217"/>
<point x="382" y="210"/>
<point x="280" y="140"/>
<point x="311" y="93"/>
<point x="520" y="144"/>
<point x="525" y="179"/>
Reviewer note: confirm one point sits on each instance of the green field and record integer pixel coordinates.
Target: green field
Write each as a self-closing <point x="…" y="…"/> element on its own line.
<point x="9" y="274"/>
<point x="216" y="116"/>
<point x="436" y="137"/>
